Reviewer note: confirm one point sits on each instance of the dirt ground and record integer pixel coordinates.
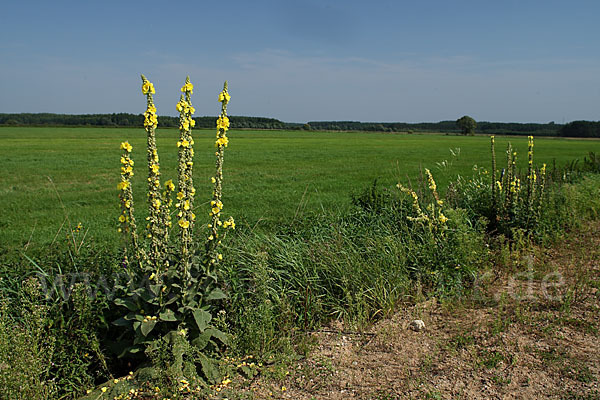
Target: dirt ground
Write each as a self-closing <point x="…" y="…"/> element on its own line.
<point x="531" y="331"/>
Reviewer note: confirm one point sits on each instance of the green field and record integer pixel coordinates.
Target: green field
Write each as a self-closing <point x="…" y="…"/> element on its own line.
<point x="48" y="174"/>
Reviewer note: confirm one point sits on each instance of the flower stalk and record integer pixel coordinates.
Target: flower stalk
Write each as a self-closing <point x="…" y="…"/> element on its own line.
<point x="185" y="183"/>
<point x="494" y="182"/>
<point x="156" y="230"/>
<point x="216" y="204"/>
<point x="531" y="176"/>
<point x="126" y="218"/>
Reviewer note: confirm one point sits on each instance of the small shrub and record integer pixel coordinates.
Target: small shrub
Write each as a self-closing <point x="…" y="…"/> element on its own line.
<point x="26" y="349"/>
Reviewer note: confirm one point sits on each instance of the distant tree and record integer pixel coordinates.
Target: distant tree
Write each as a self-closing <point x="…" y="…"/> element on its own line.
<point x="581" y="129"/>
<point x="467" y="125"/>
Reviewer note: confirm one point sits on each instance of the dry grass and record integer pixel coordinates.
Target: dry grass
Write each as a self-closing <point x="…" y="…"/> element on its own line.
<point x="529" y="333"/>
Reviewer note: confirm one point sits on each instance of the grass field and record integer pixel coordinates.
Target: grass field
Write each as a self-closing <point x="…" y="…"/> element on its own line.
<point x="48" y="174"/>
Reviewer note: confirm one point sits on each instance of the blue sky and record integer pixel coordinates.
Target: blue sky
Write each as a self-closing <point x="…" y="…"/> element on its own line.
<point x="524" y="61"/>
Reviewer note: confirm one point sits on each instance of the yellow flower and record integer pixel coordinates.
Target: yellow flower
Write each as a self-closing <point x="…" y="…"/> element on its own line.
<point x="122" y="218"/>
<point x="185" y="125"/>
<point x="180" y="195"/>
<point x="212" y="179"/>
<point x="150" y="120"/>
<point x="126" y="146"/>
<point x="104" y="389"/>
<point x="185" y="143"/>
<point x="156" y="203"/>
<point x="186" y="205"/>
<point x="222" y="141"/>
<point x="155" y="168"/>
<point x="181" y="105"/>
<point x="123" y="185"/>
<point x="192" y="123"/>
<point x="148" y="87"/>
<point x="188" y="87"/>
<point x="169" y="185"/>
<point x="230" y="223"/>
<point x="223" y="123"/>
<point x="184" y="224"/>
<point x="430" y="180"/>
<point x="443" y="218"/>
<point x="224" y="96"/>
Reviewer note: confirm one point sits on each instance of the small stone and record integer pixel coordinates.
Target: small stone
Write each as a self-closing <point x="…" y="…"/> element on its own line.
<point x="417" y="325"/>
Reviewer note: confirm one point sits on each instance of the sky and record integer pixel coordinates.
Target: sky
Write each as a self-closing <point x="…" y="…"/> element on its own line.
<point x="299" y="61"/>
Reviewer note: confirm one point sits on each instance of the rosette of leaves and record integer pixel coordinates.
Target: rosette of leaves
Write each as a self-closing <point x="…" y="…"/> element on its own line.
<point x="158" y="311"/>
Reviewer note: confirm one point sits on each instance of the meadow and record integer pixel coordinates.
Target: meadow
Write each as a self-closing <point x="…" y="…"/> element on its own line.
<point x="317" y="243"/>
<point x="52" y="178"/>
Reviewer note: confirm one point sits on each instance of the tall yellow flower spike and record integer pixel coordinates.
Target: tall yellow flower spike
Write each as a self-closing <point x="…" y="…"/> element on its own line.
<point x="157" y="215"/>
<point x="185" y="183"/>
<point x="216" y="205"/>
<point x="127" y="225"/>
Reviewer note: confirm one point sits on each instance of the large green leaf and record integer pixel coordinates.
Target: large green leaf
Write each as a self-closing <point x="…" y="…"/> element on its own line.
<point x="147" y="326"/>
<point x="167" y="315"/>
<point x="216" y="294"/>
<point x="202" y="340"/>
<point x="155" y="289"/>
<point x="222" y="336"/>
<point x="209" y="368"/>
<point x="202" y="319"/>
<point x="129" y="303"/>
<point x="133" y="317"/>
<point x="121" y="322"/>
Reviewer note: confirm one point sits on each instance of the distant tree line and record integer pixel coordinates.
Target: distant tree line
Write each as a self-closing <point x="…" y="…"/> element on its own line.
<point x="572" y="129"/>
<point x="581" y="129"/>
<point x="498" y="128"/>
<point x="132" y="120"/>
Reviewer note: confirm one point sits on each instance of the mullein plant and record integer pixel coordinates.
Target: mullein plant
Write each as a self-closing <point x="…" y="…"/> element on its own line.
<point x="517" y="205"/>
<point x="172" y="286"/>
<point x="433" y="216"/>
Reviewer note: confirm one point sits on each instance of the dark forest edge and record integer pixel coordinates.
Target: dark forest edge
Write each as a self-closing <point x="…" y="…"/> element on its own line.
<point x="571" y="129"/>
